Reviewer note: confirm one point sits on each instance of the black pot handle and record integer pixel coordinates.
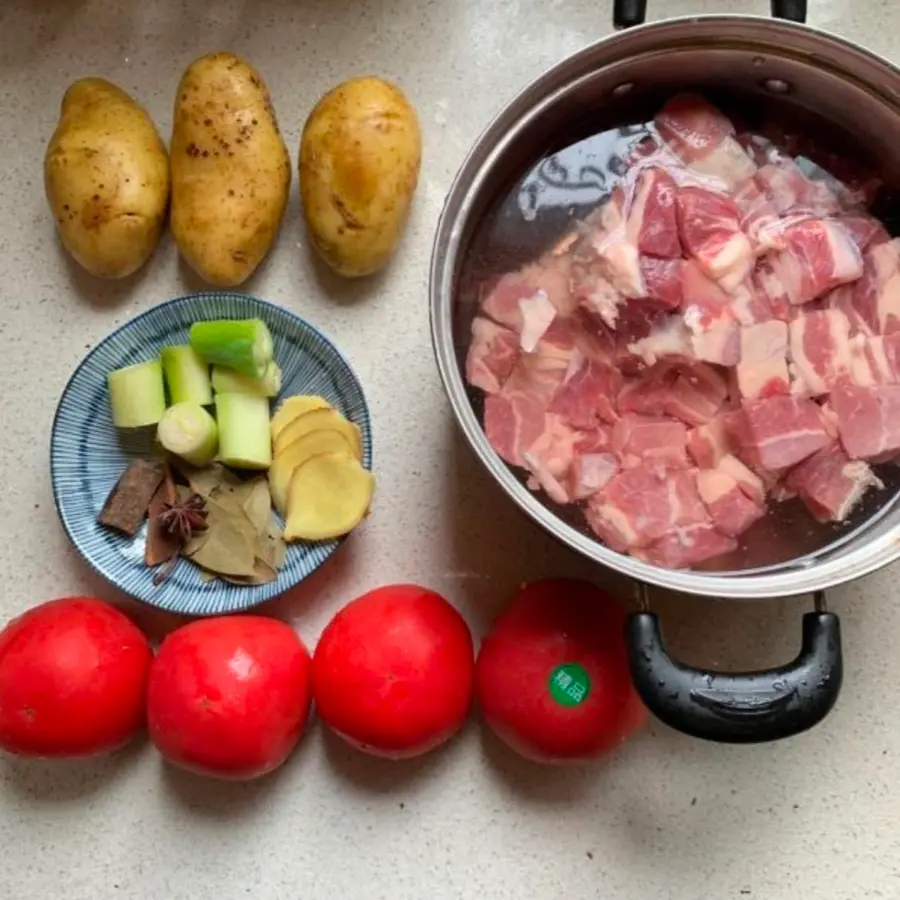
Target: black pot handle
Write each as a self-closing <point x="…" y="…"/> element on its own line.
<point x="627" y="13"/>
<point x="739" y="708"/>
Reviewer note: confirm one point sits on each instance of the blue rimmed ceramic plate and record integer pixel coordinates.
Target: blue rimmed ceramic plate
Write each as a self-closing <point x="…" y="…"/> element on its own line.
<point x="88" y="454"/>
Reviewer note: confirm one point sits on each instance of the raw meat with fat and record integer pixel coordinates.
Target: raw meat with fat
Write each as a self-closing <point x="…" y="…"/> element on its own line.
<point x="721" y="334"/>
<point x="709" y="317"/>
<point x="710" y="227"/>
<point x="763" y="368"/>
<point x="703" y="139"/>
<point x="731" y="509"/>
<point x="831" y="484"/>
<point x="868" y="420"/>
<point x="493" y="353"/>
<point x="792" y="194"/>
<point x="650" y="440"/>
<point x="692" y="393"/>
<point x="708" y="443"/>
<point x="821" y="352"/>
<point x="640" y="505"/>
<point x="651" y="217"/>
<point x="778" y="432"/>
<point x="819" y="255"/>
<point x="663" y="281"/>
<point x="588" y="396"/>
<point x="514" y="418"/>
<point x="692" y="126"/>
<point x="549" y="458"/>
<point x="590" y="473"/>
<point x="687" y="546"/>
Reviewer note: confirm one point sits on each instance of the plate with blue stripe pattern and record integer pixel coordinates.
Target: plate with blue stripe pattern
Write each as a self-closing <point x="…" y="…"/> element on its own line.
<point x="88" y="454"/>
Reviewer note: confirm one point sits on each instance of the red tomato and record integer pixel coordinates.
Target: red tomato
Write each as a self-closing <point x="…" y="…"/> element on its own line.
<point x="552" y="675"/>
<point x="393" y="670"/>
<point x="73" y="677"/>
<point x="229" y="697"/>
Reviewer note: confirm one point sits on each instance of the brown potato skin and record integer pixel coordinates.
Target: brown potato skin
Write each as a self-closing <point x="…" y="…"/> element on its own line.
<point x="360" y="156"/>
<point x="106" y="177"/>
<point x="231" y="171"/>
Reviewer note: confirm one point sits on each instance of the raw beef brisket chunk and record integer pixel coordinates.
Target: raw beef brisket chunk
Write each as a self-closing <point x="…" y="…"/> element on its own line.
<point x="493" y="354"/>
<point x="732" y="508"/>
<point x="779" y="432"/>
<point x="831" y="484"/>
<point x="868" y="420"/>
<point x="641" y="505"/>
<point x="686" y="546"/>
<point x="710" y="226"/>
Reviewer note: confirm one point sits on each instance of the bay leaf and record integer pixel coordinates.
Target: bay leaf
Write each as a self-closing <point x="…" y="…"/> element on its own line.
<point x="194" y="543"/>
<point x="276" y="540"/>
<point x="258" y="504"/>
<point x="238" y="489"/>
<point x="217" y="510"/>
<point x="266" y="550"/>
<point x="242" y="542"/>
<point x="263" y="573"/>
<point x="222" y="508"/>
<point x="226" y="550"/>
<point x="207" y="480"/>
<point x="228" y="510"/>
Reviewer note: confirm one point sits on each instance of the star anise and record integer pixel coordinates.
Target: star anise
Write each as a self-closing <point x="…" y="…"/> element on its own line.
<point x="184" y="517"/>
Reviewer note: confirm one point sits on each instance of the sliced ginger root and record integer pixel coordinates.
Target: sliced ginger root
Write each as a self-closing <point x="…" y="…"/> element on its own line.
<point x="293" y="407"/>
<point x="329" y="495"/>
<point x="317" y="420"/>
<point x="314" y="443"/>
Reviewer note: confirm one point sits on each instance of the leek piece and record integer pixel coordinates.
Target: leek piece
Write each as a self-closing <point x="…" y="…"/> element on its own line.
<point x="187" y="375"/>
<point x="137" y="396"/>
<point x="189" y="431"/>
<point x="245" y="441"/>
<point x="227" y="381"/>
<point x="244" y="345"/>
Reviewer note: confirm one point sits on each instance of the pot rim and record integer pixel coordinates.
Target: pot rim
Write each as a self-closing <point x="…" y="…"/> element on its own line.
<point x="807" y="574"/>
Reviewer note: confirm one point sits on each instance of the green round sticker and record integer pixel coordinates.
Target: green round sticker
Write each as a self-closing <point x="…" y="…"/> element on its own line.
<point x="569" y="684"/>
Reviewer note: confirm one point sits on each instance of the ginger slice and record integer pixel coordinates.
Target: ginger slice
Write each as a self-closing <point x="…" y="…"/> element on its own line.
<point x="317" y="420"/>
<point x="329" y="495"/>
<point x="293" y="407"/>
<point x="295" y="454"/>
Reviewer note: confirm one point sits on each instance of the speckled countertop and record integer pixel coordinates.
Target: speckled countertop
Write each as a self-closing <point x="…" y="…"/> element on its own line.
<point x="667" y="817"/>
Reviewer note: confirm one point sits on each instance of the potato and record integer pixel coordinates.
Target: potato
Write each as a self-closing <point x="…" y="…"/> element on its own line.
<point x="359" y="165"/>
<point x="295" y="454"/>
<point x="329" y="496"/>
<point x="106" y="176"/>
<point x="230" y="170"/>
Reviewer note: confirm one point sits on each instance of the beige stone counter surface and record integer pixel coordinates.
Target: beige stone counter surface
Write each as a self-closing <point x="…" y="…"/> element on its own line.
<point x="665" y="818"/>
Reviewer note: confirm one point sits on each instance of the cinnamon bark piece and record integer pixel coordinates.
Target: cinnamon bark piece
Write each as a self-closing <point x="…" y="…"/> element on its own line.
<point x="127" y="504"/>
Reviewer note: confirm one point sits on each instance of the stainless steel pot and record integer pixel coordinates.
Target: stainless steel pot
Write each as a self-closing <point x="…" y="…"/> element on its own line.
<point x="816" y="71"/>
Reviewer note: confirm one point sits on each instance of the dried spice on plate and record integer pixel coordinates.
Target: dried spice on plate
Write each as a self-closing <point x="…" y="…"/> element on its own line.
<point x="126" y="506"/>
<point x="220" y="522"/>
<point x="184" y="515"/>
<point x="162" y="544"/>
<point x="241" y="543"/>
<point x="175" y="514"/>
<point x="205" y="481"/>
